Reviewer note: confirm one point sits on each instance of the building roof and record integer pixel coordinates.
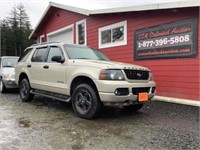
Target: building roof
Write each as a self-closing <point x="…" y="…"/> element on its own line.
<point x="136" y="7"/>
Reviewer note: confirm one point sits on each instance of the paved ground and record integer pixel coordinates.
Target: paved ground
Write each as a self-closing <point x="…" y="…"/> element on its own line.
<point x="45" y="124"/>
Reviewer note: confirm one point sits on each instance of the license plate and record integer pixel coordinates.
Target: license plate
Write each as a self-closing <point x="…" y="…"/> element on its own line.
<point x="143" y="97"/>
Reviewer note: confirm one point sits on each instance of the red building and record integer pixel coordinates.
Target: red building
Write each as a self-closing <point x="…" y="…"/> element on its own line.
<point x="164" y="38"/>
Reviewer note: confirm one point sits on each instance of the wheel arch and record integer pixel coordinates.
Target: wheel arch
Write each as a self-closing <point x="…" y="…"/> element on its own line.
<point x="22" y="76"/>
<point x="80" y="80"/>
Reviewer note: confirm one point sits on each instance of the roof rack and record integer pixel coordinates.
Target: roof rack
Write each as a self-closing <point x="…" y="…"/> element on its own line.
<point x="37" y="44"/>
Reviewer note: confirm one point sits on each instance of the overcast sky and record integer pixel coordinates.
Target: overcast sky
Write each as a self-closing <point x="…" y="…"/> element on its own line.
<point x="36" y="8"/>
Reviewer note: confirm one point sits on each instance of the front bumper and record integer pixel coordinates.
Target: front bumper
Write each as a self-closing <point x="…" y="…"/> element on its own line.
<point x="10" y="84"/>
<point x="107" y="90"/>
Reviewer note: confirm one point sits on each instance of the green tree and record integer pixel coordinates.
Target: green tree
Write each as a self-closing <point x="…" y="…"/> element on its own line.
<point x="15" y="31"/>
<point x="6" y="37"/>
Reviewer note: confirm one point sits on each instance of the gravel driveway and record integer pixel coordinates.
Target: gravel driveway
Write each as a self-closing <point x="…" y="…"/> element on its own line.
<point x="45" y="124"/>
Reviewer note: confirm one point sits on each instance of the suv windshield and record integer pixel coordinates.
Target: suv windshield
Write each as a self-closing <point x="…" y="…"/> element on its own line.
<point x="9" y="62"/>
<point x="83" y="52"/>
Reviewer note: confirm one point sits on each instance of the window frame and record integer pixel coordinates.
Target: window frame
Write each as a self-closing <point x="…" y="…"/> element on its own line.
<point x="110" y="27"/>
<point x="42" y="37"/>
<point x="77" y="32"/>
<point x="49" y="49"/>
<point x="25" y="55"/>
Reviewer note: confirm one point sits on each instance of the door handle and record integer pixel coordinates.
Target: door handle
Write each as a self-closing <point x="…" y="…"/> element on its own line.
<point x="46" y="67"/>
<point x="29" y="66"/>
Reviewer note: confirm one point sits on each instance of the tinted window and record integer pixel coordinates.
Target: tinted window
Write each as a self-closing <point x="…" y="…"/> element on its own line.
<point x="54" y="51"/>
<point x="39" y="55"/>
<point x="25" y="55"/>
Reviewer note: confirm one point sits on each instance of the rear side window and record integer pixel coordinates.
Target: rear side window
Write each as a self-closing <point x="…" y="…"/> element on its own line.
<point x="25" y="55"/>
<point x="39" y="55"/>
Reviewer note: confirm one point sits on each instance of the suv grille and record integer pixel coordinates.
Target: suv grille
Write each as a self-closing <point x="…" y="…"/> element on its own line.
<point x="136" y="91"/>
<point x="136" y="74"/>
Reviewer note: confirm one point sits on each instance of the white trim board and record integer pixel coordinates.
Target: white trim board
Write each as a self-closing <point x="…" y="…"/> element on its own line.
<point x="141" y="7"/>
<point x="178" y="100"/>
<point x="42" y="36"/>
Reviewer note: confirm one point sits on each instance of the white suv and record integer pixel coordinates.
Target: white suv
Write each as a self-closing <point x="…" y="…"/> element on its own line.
<point x="83" y="76"/>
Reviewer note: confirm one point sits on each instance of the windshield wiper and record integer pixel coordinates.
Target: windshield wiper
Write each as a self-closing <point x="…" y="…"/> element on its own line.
<point x="104" y="59"/>
<point x="81" y="58"/>
<point x="9" y="66"/>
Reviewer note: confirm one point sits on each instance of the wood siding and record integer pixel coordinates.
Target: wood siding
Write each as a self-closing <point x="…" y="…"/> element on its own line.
<point x="177" y="78"/>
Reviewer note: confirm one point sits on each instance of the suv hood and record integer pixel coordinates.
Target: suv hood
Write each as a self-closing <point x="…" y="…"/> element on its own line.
<point x="105" y="64"/>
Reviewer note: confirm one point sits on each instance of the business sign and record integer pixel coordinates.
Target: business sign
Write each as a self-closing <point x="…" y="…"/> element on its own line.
<point x="172" y="40"/>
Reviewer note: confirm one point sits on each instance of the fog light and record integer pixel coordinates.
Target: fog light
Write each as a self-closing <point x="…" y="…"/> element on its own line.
<point x="121" y="92"/>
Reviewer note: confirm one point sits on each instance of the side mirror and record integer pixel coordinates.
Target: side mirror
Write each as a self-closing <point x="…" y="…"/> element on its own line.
<point x="58" y="59"/>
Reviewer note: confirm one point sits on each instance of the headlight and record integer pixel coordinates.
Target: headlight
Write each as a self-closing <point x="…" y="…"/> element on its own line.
<point x="111" y="74"/>
<point x="7" y="77"/>
<point x="150" y="76"/>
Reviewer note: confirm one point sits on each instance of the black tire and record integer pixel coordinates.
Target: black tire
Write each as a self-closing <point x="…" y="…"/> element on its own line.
<point x="85" y="102"/>
<point x="133" y="108"/>
<point x="2" y="87"/>
<point x="24" y="90"/>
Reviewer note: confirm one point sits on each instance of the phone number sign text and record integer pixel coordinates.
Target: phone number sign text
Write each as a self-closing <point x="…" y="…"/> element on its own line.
<point x="173" y="40"/>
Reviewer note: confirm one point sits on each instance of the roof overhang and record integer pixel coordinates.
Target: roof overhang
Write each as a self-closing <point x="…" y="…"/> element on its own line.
<point x="153" y="6"/>
<point x="61" y="6"/>
<point x="142" y="7"/>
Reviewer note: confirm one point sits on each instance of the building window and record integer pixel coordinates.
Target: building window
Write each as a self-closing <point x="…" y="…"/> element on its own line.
<point x="81" y="32"/>
<point x="113" y="35"/>
<point x="42" y="39"/>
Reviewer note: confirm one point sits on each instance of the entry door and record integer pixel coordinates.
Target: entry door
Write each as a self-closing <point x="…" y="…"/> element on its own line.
<point x="55" y="72"/>
<point x="36" y="71"/>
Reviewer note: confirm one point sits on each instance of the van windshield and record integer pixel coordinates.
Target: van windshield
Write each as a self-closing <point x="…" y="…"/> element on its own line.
<point x="9" y="62"/>
<point x="83" y="52"/>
